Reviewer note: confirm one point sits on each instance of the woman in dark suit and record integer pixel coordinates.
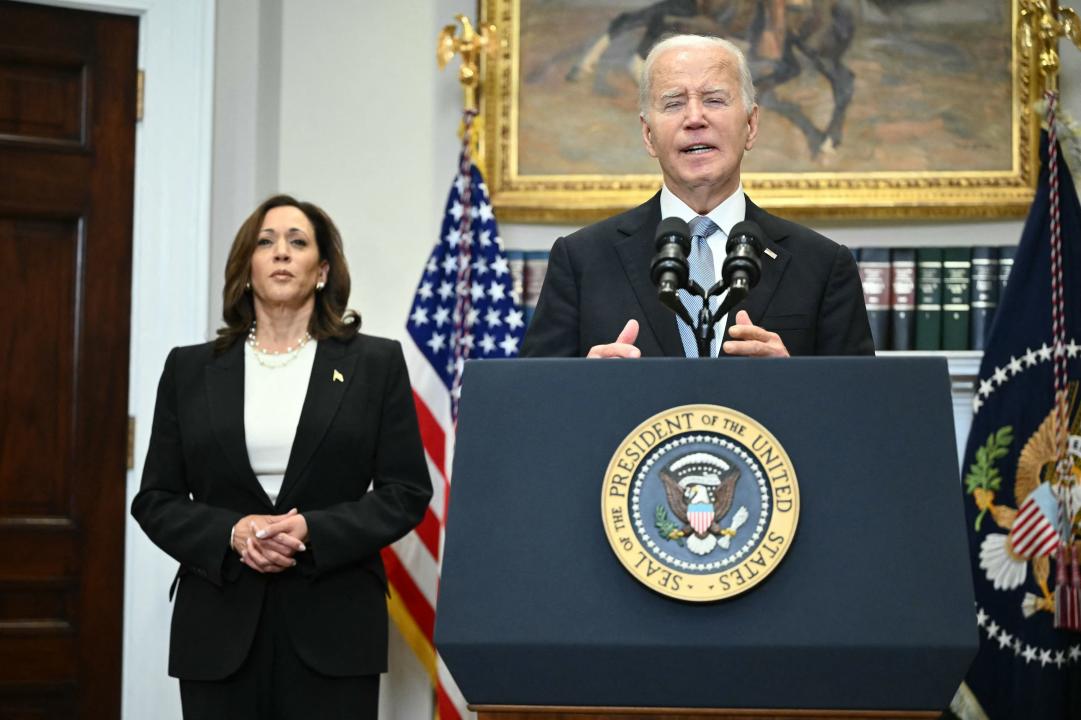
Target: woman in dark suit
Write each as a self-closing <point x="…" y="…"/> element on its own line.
<point x="283" y="457"/>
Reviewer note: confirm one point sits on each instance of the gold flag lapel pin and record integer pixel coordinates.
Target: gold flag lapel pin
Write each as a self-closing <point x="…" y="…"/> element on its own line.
<point x="338" y="377"/>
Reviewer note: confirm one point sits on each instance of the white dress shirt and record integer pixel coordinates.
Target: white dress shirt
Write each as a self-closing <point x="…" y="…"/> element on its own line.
<point x="733" y="210"/>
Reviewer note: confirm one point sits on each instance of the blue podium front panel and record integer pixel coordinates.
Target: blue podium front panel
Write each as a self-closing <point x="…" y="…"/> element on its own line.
<point x="872" y="606"/>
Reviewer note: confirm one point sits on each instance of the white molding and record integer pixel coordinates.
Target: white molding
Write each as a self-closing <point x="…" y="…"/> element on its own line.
<point x="169" y="294"/>
<point x="964" y="364"/>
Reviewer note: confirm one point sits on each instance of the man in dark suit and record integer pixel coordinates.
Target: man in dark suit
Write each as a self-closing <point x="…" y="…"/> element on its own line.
<point x="698" y="117"/>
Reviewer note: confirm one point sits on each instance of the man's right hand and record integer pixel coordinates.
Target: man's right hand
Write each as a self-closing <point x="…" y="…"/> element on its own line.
<point x="623" y="347"/>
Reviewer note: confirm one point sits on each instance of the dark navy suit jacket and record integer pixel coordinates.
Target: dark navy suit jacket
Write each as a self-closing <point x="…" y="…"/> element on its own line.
<point x="598" y="278"/>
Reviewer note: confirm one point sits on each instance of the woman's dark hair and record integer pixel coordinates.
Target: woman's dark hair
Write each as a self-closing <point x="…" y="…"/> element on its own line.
<point x="330" y="319"/>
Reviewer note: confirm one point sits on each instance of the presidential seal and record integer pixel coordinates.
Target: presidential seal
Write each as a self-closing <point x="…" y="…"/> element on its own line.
<point x="700" y="503"/>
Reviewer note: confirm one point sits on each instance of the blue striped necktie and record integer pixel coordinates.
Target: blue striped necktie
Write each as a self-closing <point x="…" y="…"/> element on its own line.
<point x="703" y="273"/>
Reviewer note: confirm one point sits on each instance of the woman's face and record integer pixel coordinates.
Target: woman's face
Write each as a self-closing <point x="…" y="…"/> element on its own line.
<point x="285" y="265"/>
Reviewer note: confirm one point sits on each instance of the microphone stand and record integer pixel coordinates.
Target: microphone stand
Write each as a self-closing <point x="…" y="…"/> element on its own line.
<point x="703" y="329"/>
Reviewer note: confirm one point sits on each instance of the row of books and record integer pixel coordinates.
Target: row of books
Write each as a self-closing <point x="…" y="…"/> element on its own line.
<point x="527" y="268"/>
<point x="929" y="298"/>
<point x="933" y="298"/>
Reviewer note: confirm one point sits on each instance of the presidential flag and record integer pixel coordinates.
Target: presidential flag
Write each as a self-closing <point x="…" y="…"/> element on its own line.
<point x="465" y="308"/>
<point x="1022" y="473"/>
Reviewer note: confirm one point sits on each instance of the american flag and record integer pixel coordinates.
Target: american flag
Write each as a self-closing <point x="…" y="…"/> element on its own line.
<point x="465" y="307"/>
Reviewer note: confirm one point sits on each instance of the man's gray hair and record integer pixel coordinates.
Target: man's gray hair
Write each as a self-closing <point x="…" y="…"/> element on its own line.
<point x="645" y="82"/>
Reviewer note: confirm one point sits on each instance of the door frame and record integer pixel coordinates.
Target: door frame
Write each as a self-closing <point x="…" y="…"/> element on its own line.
<point x="169" y="293"/>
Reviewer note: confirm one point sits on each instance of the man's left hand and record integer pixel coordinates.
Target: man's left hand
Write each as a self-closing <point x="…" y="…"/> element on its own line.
<point x="750" y="340"/>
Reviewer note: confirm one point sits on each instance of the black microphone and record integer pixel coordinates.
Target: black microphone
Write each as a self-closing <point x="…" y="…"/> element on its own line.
<point x="742" y="266"/>
<point x="669" y="269"/>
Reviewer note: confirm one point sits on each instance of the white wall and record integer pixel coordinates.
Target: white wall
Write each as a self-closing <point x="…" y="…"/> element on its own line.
<point x="247" y="135"/>
<point x="366" y="129"/>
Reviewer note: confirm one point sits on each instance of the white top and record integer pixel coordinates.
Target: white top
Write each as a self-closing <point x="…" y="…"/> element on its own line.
<point x="733" y="210"/>
<point x="273" y="399"/>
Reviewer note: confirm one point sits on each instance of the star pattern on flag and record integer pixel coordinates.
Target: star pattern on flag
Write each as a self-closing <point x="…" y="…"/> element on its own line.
<point x="999" y="376"/>
<point x="1025" y="651"/>
<point x="466" y="283"/>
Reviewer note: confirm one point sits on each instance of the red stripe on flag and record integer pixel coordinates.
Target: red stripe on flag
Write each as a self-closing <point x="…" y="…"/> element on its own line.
<point x="447" y="709"/>
<point x="1028" y="510"/>
<point x="1024" y="534"/>
<point x="1050" y="542"/>
<point x="411" y="595"/>
<point x="428" y="532"/>
<point x="431" y="434"/>
<point x="1030" y="530"/>
<point x="1030" y="513"/>
<point x="1025" y="548"/>
<point x="1040" y="546"/>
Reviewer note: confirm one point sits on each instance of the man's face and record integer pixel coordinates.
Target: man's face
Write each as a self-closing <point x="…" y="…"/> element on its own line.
<point x="697" y="125"/>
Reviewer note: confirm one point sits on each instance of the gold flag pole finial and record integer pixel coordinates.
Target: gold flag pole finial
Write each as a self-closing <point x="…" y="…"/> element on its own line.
<point x="1042" y="23"/>
<point x="470" y="45"/>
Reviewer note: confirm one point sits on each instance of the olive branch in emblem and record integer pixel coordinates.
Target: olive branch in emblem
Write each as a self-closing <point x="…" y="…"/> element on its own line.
<point x="669" y="530"/>
<point x="983" y="479"/>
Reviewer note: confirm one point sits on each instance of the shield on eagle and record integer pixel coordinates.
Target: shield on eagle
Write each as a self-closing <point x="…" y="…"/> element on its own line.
<point x="700" y="487"/>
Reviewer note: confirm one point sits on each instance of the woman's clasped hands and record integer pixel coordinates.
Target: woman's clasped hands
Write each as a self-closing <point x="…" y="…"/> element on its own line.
<point x="268" y="543"/>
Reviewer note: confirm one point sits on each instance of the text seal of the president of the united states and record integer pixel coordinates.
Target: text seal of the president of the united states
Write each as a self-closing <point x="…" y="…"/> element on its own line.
<point x="700" y="502"/>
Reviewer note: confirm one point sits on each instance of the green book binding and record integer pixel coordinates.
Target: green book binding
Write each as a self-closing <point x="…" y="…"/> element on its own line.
<point x="956" y="307"/>
<point x="929" y="299"/>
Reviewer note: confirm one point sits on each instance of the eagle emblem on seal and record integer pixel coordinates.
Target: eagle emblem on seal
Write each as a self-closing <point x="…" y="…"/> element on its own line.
<point x="700" y="488"/>
<point x="1042" y="488"/>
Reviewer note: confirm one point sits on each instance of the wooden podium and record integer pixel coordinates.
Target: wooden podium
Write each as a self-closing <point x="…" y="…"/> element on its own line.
<point x="869" y="615"/>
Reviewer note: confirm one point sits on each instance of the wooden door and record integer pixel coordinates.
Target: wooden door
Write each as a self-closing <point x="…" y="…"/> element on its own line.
<point x="67" y="156"/>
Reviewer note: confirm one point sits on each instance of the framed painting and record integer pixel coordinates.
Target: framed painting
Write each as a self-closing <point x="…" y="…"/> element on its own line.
<point x="869" y="108"/>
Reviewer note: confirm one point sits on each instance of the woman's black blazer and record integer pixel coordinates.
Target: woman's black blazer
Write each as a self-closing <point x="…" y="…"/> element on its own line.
<point x="357" y="472"/>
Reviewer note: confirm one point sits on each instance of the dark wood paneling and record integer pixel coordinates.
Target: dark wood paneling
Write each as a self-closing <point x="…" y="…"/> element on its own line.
<point x="48" y="549"/>
<point x="38" y="654"/>
<point x="67" y="149"/>
<point x="40" y="704"/>
<point x="43" y="258"/>
<point x="36" y="602"/>
<point x="42" y="102"/>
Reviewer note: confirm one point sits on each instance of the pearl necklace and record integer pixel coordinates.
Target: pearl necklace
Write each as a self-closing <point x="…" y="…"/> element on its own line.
<point x="273" y="359"/>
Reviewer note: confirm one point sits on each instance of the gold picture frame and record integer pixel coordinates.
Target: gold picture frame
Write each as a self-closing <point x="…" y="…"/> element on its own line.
<point x="526" y="121"/>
